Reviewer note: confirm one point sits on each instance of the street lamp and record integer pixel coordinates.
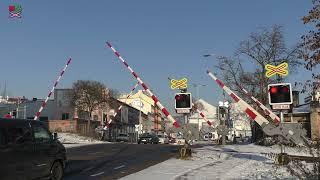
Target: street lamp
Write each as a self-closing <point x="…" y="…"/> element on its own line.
<point x="196" y="86"/>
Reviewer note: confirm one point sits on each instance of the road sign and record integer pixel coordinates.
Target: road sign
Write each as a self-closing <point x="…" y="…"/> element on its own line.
<point x="281" y="106"/>
<point x="179" y="84"/>
<point x="183" y="111"/>
<point x="272" y="70"/>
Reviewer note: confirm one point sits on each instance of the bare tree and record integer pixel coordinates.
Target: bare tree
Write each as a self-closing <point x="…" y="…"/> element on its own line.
<point x="311" y="54"/>
<point x="311" y="47"/>
<point x="89" y="95"/>
<point x="247" y="68"/>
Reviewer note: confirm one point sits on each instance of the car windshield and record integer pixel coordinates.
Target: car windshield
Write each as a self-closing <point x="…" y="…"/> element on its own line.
<point x="122" y="135"/>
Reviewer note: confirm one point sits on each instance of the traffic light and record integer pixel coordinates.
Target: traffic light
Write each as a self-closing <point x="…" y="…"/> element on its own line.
<point x="183" y="101"/>
<point x="280" y="93"/>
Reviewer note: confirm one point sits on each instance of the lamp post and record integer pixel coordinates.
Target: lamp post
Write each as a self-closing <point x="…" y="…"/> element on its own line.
<point x="196" y="86"/>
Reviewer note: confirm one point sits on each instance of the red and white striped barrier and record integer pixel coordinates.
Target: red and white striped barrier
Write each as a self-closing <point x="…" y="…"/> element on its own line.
<point x="204" y="117"/>
<point x="156" y="100"/>
<point x="50" y="93"/>
<point x="253" y="114"/>
<point x="119" y="109"/>
<point x="266" y="111"/>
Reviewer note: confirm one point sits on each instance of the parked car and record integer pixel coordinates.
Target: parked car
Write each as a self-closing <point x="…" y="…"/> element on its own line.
<point x="29" y="151"/>
<point x="122" y="138"/>
<point x="163" y="139"/>
<point x="148" y="139"/>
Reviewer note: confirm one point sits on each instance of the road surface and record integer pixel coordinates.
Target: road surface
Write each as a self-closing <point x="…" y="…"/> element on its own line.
<point x="112" y="161"/>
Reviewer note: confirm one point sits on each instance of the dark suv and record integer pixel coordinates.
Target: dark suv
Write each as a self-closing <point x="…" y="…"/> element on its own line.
<point x="29" y="151"/>
<point x="148" y="138"/>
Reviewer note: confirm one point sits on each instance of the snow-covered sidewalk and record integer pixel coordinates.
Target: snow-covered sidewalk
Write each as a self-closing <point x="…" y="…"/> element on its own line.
<point x="221" y="162"/>
<point x="73" y="140"/>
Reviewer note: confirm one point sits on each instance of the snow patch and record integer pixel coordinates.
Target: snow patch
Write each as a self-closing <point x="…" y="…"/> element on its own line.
<point x="222" y="162"/>
<point x="70" y="140"/>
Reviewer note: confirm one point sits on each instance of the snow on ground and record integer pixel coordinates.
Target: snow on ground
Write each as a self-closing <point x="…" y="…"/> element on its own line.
<point x="74" y="140"/>
<point x="221" y="162"/>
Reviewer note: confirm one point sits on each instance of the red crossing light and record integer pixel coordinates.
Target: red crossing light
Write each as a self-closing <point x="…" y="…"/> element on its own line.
<point x="274" y="90"/>
<point x="177" y="97"/>
<point x="280" y="93"/>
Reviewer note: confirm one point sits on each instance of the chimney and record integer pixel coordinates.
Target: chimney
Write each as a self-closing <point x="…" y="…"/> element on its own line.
<point x="295" y="98"/>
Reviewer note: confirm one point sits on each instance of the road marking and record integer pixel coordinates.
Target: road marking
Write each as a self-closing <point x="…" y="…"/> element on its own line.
<point x="119" y="167"/>
<point x="39" y="165"/>
<point x="95" y="153"/>
<point x="88" y="169"/>
<point x="93" y="175"/>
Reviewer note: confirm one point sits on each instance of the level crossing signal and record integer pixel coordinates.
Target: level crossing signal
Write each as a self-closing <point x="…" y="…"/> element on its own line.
<point x="183" y="101"/>
<point x="280" y="93"/>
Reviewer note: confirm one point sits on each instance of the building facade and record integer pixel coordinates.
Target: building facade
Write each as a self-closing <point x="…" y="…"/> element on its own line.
<point x="145" y="104"/>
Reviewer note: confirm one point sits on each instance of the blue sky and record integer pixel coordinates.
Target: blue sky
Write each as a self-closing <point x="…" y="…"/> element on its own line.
<point x="158" y="39"/>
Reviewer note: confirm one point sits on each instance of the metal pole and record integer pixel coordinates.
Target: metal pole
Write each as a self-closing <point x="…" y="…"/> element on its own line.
<point x="25" y="111"/>
<point x="17" y="112"/>
<point x="197" y="91"/>
<point x="281" y="120"/>
<point x="223" y="134"/>
<point x="140" y="112"/>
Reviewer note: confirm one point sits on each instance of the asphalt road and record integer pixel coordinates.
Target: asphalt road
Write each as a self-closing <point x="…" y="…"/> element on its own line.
<point x="112" y="161"/>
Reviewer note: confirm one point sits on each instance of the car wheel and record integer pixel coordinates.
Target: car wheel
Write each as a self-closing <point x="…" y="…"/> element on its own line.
<point x="56" y="171"/>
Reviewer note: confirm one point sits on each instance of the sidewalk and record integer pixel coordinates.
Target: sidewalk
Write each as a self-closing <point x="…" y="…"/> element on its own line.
<point x="216" y="162"/>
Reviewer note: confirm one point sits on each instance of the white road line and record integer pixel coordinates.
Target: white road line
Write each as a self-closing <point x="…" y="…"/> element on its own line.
<point x="39" y="165"/>
<point x="93" y="175"/>
<point x="95" y="152"/>
<point x="119" y="167"/>
<point x="88" y="169"/>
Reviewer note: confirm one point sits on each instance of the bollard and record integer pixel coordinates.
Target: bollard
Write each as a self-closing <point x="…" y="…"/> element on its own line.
<point x="185" y="152"/>
<point x="282" y="159"/>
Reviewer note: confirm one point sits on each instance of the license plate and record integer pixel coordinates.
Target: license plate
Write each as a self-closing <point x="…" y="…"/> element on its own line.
<point x="144" y="140"/>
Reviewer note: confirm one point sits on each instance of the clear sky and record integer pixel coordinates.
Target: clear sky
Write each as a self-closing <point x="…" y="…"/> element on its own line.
<point x="158" y="39"/>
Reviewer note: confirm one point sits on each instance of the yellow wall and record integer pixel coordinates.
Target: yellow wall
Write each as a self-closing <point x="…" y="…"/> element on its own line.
<point x="147" y="102"/>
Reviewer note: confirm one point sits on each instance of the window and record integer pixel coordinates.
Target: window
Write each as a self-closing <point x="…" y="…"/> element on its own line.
<point x="41" y="134"/>
<point x="19" y="135"/>
<point x="65" y="116"/>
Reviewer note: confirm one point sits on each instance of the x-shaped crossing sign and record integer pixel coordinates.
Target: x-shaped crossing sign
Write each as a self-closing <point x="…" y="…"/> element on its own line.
<point x="281" y="69"/>
<point x="179" y="84"/>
